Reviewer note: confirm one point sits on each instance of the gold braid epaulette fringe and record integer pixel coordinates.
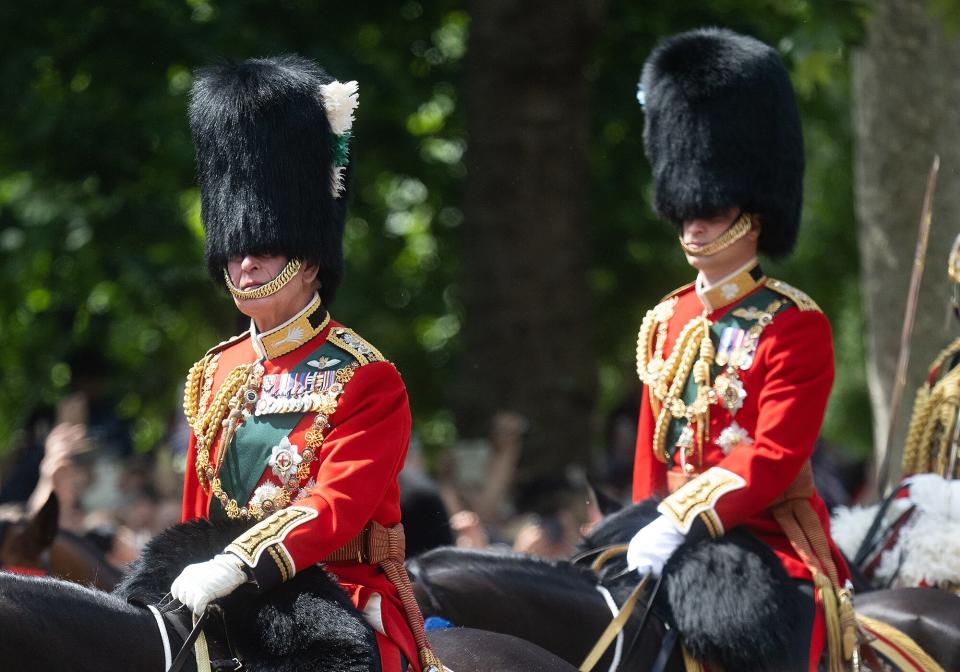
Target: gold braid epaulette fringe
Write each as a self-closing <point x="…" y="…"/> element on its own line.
<point x="934" y="420"/>
<point x="192" y="390"/>
<point x="800" y="298"/>
<point x="361" y="349"/>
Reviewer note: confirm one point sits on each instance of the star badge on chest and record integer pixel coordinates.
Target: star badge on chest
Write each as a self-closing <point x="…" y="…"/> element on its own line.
<point x="730" y="392"/>
<point x="284" y="459"/>
<point x="733" y="436"/>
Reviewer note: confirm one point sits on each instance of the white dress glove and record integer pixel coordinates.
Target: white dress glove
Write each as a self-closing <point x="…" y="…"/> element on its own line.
<point x="653" y="545"/>
<point x="198" y="585"/>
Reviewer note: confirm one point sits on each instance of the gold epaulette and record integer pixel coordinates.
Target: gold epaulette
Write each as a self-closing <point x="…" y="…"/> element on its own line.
<point x="223" y="345"/>
<point x="676" y="292"/>
<point x="801" y="299"/>
<point x="359" y="347"/>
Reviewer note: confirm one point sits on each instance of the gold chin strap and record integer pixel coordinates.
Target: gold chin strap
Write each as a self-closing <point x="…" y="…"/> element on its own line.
<point x="272" y="287"/>
<point x="738" y="230"/>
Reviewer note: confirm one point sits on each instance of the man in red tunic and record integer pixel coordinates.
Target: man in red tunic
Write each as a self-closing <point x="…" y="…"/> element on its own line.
<point x="299" y="425"/>
<point x="736" y="366"/>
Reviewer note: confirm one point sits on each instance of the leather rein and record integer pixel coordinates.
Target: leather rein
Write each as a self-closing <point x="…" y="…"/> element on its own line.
<point x="208" y="633"/>
<point x="617" y="625"/>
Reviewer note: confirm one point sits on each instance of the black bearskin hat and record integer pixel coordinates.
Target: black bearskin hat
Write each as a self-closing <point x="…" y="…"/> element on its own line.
<point x="265" y="152"/>
<point x="722" y="130"/>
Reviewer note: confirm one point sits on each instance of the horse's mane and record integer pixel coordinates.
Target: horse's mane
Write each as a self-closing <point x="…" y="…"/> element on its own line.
<point x="619" y="527"/>
<point x="426" y="521"/>
<point x="509" y="572"/>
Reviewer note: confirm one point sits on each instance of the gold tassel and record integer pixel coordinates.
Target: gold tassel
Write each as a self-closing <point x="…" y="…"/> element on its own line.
<point x="833" y="622"/>
<point x="429" y="661"/>
<point x="690" y="663"/>
<point x="707" y="351"/>
<point x="848" y="621"/>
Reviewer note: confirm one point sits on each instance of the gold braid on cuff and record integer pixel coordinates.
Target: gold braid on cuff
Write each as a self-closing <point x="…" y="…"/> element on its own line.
<point x="738" y="230"/>
<point x="272" y="287"/>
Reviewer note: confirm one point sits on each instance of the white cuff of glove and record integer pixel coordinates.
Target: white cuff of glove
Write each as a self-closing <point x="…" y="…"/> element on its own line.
<point x="653" y="545"/>
<point x="200" y="584"/>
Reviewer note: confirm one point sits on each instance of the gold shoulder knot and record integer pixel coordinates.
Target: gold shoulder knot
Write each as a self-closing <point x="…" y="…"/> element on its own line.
<point x="801" y="299"/>
<point x="359" y="347"/>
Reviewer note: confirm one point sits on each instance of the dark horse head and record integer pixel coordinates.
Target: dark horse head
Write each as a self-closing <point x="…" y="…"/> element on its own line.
<point x="730" y="599"/>
<point x="553" y="604"/>
<point x="303" y="625"/>
<point x="34" y="544"/>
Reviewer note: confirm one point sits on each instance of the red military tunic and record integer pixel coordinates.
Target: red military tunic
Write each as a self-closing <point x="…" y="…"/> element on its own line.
<point x="350" y="480"/>
<point x="744" y="448"/>
<point x="756" y="444"/>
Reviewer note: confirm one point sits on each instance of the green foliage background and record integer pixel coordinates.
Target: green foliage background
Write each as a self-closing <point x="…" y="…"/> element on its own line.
<point x="100" y="237"/>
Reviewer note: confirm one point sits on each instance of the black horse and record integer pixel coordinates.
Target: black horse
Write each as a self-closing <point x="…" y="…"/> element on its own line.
<point x="305" y="624"/>
<point x="558" y="605"/>
<point x="741" y="622"/>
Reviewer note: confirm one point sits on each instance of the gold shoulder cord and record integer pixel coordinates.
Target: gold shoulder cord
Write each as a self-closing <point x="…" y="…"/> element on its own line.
<point x="934" y="420"/>
<point x="207" y="425"/>
<point x="191" y="390"/>
<point x="666" y="380"/>
<point x="199" y="383"/>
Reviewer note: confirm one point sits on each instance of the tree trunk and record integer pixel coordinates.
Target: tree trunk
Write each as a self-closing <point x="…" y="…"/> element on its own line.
<point x="525" y="243"/>
<point x="906" y="99"/>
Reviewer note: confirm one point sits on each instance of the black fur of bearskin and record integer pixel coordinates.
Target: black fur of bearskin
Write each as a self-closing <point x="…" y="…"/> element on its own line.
<point x="264" y="158"/>
<point x="722" y="130"/>
<point x="305" y="624"/>
<point x="730" y="598"/>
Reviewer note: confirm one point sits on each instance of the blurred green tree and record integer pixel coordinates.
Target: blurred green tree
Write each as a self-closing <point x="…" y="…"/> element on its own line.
<point x="100" y="237"/>
<point x="101" y="244"/>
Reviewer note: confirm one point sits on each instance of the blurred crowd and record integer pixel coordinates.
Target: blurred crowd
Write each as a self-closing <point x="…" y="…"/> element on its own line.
<point x="107" y="493"/>
<point x="472" y="496"/>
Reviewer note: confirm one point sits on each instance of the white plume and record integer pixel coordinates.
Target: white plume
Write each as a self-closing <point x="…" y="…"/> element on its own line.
<point x="927" y="550"/>
<point x="337" y="180"/>
<point x="340" y="99"/>
<point x="849" y="526"/>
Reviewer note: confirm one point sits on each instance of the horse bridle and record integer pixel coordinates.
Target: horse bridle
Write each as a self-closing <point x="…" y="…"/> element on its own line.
<point x="170" y="616"/>
<point x="600" y="556"/>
